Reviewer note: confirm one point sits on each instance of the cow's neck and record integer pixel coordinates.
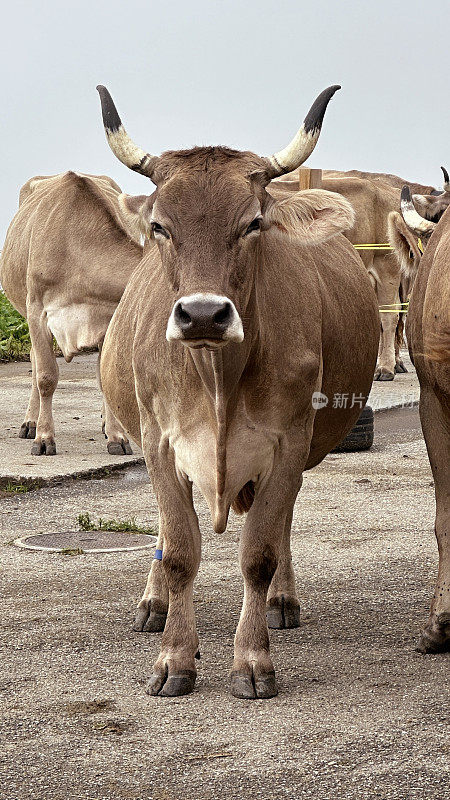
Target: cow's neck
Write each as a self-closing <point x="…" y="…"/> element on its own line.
<point x="220" y="372"/>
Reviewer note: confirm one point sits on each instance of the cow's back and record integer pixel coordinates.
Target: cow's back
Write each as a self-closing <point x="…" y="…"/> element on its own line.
<point x="65" y="230"/>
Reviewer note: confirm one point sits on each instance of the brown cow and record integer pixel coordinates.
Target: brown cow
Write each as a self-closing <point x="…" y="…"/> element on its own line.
<point x="68" y="255"/>
<point x="373" y="196"/>
<point x="383" y="178"/>
<point x="372" y="201"/>
<point x="238" y="324"/>
<point x="428" y="333"/>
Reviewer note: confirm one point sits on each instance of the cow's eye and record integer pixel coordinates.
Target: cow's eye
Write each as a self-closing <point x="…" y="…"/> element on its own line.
<point x="254" y="226"/>
<point x="158" y="230"/>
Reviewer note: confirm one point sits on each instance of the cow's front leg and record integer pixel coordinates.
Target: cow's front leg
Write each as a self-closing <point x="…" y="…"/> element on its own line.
<point x="283" y="608"/>
<point x="174" y="672"/>
<point x="253" y="674"/>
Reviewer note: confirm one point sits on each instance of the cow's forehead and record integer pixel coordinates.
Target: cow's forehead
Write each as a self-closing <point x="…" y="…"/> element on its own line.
<point x="223" y="191"/>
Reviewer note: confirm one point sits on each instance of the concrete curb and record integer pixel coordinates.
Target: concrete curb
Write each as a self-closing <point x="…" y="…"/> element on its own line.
<point x="395" y="406"/>
<point x="39" y="482"/>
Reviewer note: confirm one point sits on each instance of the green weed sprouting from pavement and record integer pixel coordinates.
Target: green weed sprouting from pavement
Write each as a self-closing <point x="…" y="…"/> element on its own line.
<point x="127" y="525"/>
<point x="71" y="551"/>
<point x="17" y="488"/>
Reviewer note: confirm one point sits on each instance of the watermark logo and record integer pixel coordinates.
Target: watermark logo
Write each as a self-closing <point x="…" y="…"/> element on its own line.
<point x="319" y="400"/>
<point x="345" y="400"/>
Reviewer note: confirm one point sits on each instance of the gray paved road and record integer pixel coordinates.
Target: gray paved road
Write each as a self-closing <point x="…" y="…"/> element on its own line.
<point x="360" y="714"/>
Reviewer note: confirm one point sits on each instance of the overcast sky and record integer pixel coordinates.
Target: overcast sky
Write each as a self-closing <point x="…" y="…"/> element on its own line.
<point x="241" y="73"/>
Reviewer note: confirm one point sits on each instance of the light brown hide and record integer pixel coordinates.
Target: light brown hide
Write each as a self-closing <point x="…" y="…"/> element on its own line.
<point x="300" y="304"/>
<point x="68" y="254"/>
<point x="428" y="332"/>
<point x="372" y="200"/>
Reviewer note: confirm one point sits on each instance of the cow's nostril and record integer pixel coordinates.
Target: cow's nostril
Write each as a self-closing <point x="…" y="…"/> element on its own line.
<point x="182" y="316"/>
<point x="223" y="316"/>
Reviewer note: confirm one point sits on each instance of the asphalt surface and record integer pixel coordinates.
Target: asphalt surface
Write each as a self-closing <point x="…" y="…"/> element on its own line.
<point x="360" y="714"/>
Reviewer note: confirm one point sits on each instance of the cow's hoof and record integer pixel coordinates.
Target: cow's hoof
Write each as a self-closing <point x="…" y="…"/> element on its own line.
<point x="282" y="612"/>
<point x="171" y="685"/>
<point x="150" y="617"/>
<point x="400" y="367"/>
<point x="435" y="636"/>
<point x="249" y="687"/>
<point x="121" y="448"/>
<point x="383" y="375"/>
<point x="27" y="430"/>
<point x="44" y="447"/>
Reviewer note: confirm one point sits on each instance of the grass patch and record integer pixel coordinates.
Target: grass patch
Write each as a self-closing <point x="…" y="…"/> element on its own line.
<point x="15" y="342"/>
<point x="17" y="488"/>
<point x="86" y="524"/>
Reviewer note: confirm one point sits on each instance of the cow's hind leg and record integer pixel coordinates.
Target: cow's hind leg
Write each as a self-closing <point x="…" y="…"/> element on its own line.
<point x="436" y="634"/>
<point x="283" y="608"/>
<point x="152" y="610"/>
<point x="387" y="296"/>
<point x="118" y="443"/>
<point x="46" y="380"/>
<point x="28" y="427"/>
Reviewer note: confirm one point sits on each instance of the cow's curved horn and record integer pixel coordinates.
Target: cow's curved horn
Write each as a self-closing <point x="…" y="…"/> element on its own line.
<point x="446" y="180"/>
<point x="414" y="221"/>
<point x="120" y="143"/>
<point x="305" y="139"/>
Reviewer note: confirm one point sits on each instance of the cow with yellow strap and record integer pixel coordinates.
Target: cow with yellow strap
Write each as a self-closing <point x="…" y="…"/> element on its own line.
<point x="372" y="200"/>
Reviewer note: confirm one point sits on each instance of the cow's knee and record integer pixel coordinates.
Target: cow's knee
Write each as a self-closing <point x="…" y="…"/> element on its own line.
<point x="47" y="382"/>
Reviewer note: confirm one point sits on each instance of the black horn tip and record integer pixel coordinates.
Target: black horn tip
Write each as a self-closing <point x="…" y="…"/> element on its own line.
<point x="314" y="118"/>
<point x="445" y="174"/>
<point x="406" y="194"/>
<point x="111" y="119"/>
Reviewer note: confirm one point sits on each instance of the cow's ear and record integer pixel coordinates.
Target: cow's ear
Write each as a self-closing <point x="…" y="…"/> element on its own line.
<point x="311" y="216"/>
<point x="405" y="245"/>
<point x="137" y="210"/>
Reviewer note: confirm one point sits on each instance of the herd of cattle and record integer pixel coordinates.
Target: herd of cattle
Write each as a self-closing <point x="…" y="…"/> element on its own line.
<point x="245" y="299"/>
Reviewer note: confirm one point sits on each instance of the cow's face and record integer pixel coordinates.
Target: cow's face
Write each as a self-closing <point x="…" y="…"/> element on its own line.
<point x="209" y="218"/>
<point x="209" y="215"/>
<point x="409" y="234"/>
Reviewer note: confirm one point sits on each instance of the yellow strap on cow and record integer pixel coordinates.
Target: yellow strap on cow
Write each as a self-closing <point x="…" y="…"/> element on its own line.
<point x="381" y="246"/>
<point x="394" y="308"/>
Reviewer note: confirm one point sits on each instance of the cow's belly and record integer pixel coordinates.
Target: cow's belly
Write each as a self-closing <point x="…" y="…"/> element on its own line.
<point x="249" y="457"/>
<point x="78" y="325"/>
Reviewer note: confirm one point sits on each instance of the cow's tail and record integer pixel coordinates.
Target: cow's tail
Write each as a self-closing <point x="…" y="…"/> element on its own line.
<point x="244" y="500"/>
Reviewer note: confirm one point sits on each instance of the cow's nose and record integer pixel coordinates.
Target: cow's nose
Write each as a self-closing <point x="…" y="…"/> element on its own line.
<point x="209" y="317"/>
<point x="203" y="319"/>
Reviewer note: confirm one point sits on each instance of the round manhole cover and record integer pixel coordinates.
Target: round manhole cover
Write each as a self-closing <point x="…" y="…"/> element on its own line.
<point x="86" y="541"/>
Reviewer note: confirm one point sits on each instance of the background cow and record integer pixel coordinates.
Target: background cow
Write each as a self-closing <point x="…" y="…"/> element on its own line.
<point x="68" y="255"/>
<point x="235" y="320"/>
<point x="428" y="333"/>
<point x="373" y="196"/>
